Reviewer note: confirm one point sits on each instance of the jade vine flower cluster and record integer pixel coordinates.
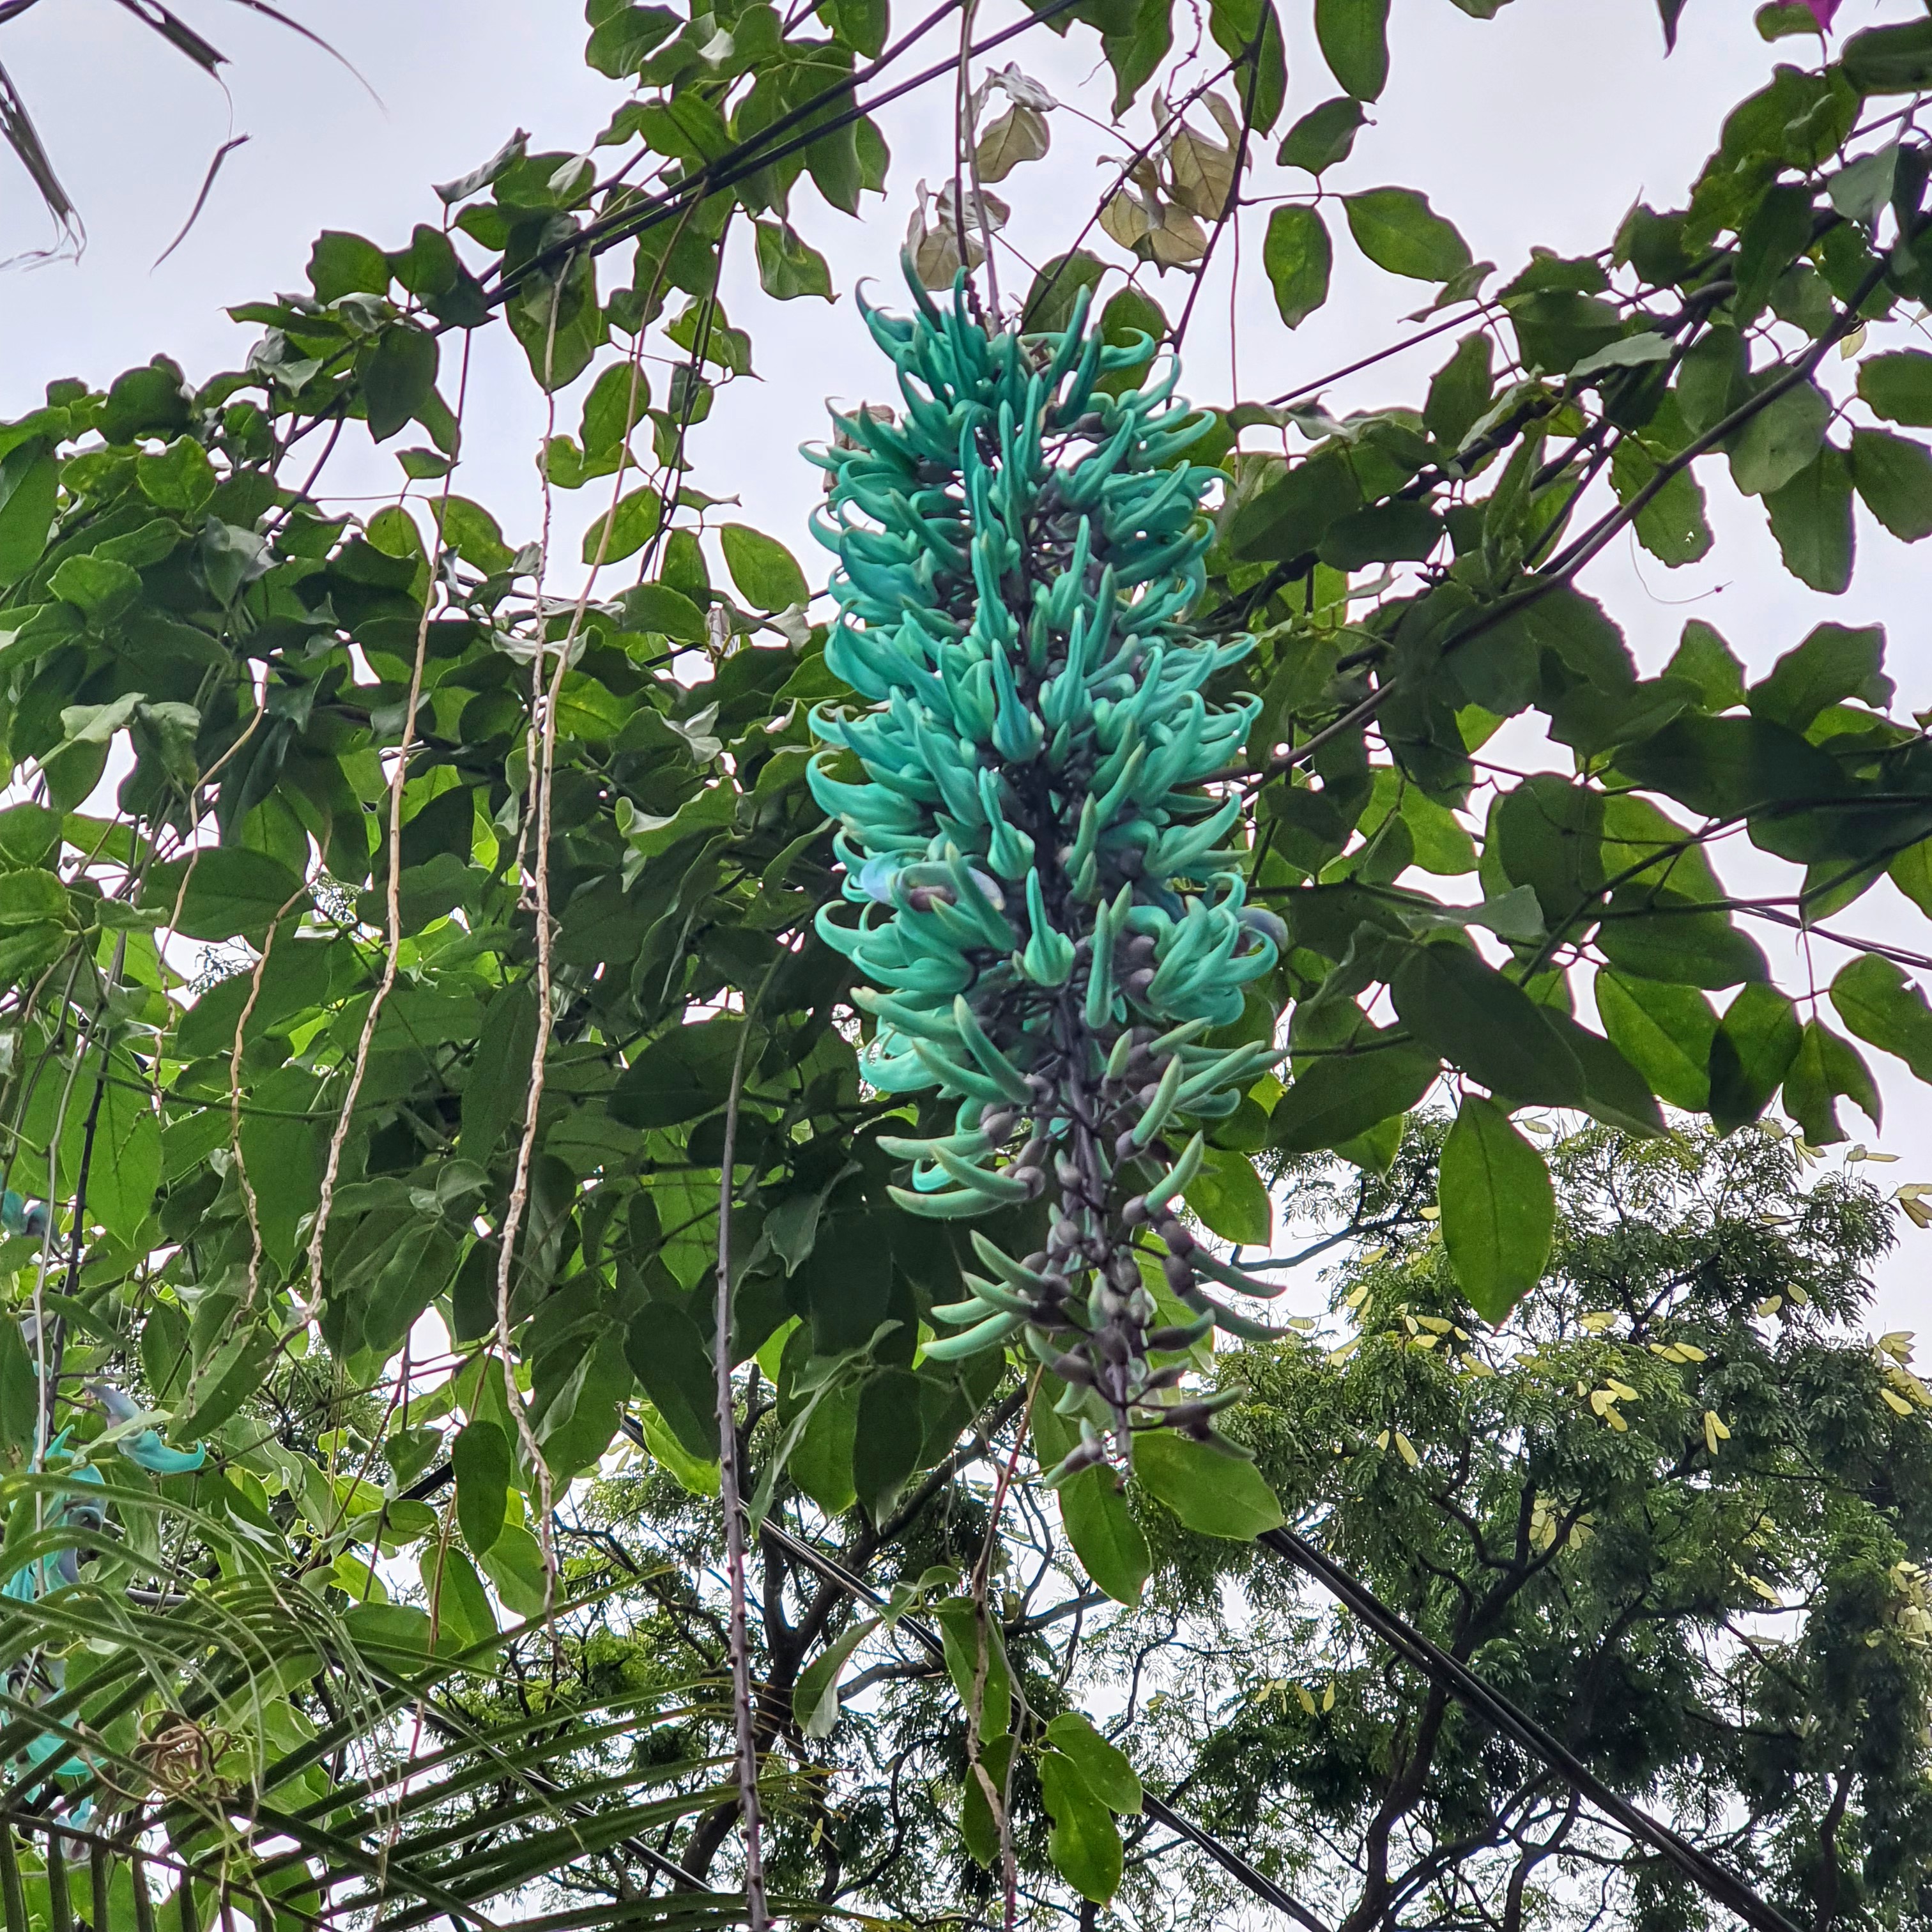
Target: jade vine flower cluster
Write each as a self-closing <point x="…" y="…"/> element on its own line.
<point x="1047" y="912"/>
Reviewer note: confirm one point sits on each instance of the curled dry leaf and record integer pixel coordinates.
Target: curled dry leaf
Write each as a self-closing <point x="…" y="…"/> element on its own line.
<point x="1201" y="171"/>
<point x="1127" y="219"/>
<point x="1178" y="241"/>
<point x="1019" y="135"/>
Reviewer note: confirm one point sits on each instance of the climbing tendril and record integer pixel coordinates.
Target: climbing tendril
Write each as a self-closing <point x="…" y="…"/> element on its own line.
<point x="1049" y="912"/>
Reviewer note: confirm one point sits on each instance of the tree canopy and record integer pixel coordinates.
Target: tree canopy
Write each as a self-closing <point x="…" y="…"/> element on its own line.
<point x="476" y="1011"/>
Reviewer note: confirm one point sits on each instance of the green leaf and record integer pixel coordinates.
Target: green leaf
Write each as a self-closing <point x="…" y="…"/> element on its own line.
<point x="1660" y="935"/>
<point x="1780" y="439"/>
<point x="1826" y="1066"/>
<point x="341" y="264"/>
<point x="1105" y="1537"/>
<point x="232" y="892"/>
<point x="1049" y="302"/>
<point x="821" y="1463"/>
<point x="1898" y="386"/>
<point x="398" y="378"/>
<point x="126" y="1168"/>
<point x="1213" y="1493"/>
<point x="455" y="1593"/>
<point x="1239" y="26"/>
<point x="675" y="1364"/>
<point x="1724" y="767"/>
<point x="1664" y="1031"/>
<point x="19" y="1391"/>
<point x="1702" y="657"/>
<point x="1459" y="391"/>
<point x="1353" y="35"/>
<point x="1084" y="1843"/>
<point x="1229" y="1196"/>
<point x="514" y="1564"/>
<point x="814" y="1702"/>
<point x="1811" y="518"/>
<point x="1460" y="1006"/>
<point x="1614" y="1091"/>
<point x="1893" y="476"/>
<point x="1334" y="1099"/>
<point x="886" y="1442"/>
<point x="1394" y="532"/>
<point x="1885" y="1009"/>
<point x="1323" y="137"/>
<point x="788" y="265"/>
<point x="29" y="492"/>
<point x="1397" y="230"/>
<point x="481" y="1455"/>
<point x="1498" y="1208"/>
<point x="977" y="1828"/>
<point x="1891" y="60"/>
<point x="767" y="576"/>
<point x="625" y="528"/>
<point x="1297" y="255"/>
<point x="1756" y="1042"/>
<point x="179" y="477"/>
<point x="973" y="1642"/>
<point x="1833" y="663"/>
<point x="657" y="607"/>
<point x="1672" y="524"/>
<point x="1108" y="1774"/>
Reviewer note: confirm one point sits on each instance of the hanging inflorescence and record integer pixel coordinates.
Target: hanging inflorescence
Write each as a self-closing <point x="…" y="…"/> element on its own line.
<point x="1049" y="917"/>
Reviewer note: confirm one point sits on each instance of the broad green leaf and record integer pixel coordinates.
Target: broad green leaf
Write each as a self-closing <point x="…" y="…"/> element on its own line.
<point x="821" y="1462"/>
<point x="398" y="377"/>
<point x="1893" y="476"/>
<point x="788" y="265"/>
<point x="1459" y="391"/>
<point x="815" y="1701"/>
<point x="1664" y="1031"/>
<point x="1085" y="1842"/>
<point x="886" y="1442"/>
<point x="1885" y="1009"/>
<point x="1833" y="663"/>
<point x="178" y="477"/>
<point x="126" y="1167"/>
<point x="1459" y="1006"/>
<point x="481" y="1455"/>
<point x="657" y="607"/>
<point x="1240" y="28"/>
<point x="514" y="1564"/>
<point x="1756" y="1042"/>
<point x="1394" y="532"/>
<point x="1825" y="1067"/>
<point x="1297" y="255"/>
<point x="1498" y="1208"/>
<point x="341" y="264"/>
<point x="1811" y="518"/>
<point x="29" y="490"/>
<point x="614" y="407"/>
<point x="1093" y="1507"/>
<point x="1397" y="230"/>
<point x="976" y="1659"/>
<point x="231" y="892"/>
<point x="1106" y="1769"/>
<point x="624" y="529"/>
<point x="767" y="576"/>
<point x="1353" y="35"/>
<point x="1336" y="1098"/>
<point x="1911" y="872"/>
<point x="455" y="1595"/>
<point x="672" y="1360"/>
<point x="1898" y="386"/>
<point x="1890" y="59"/>
<point x="1229" y="1196"/>
<point x="19" y="1391"/>
<point x="1050" y="301"/>
<point x="1724" y="767"/>
<point x="1213" y="1493"/>
<point x="1614" y="1091"/>
<point x="1780" y="439"/>
<point x="976" y="1826"/>
<point x="1323" y="137"/>
<point x="1672" y="524"/>
<point x="1703" y="657"/>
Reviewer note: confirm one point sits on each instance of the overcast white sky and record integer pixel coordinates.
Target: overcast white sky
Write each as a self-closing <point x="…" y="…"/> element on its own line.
<point x="1540" y="126"/>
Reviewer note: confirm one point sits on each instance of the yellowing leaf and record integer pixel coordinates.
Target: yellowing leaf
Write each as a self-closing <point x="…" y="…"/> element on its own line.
<point x="1896" y="1402"/>
<point x="1622" y="1390"/>
<point x="1328" y="1699"/>
<point x="1307" y="1699"/>
<point x="1406" y="1449"/>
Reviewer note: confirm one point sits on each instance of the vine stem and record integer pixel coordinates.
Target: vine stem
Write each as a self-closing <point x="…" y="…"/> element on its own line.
<point x="730" y="1491"/>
